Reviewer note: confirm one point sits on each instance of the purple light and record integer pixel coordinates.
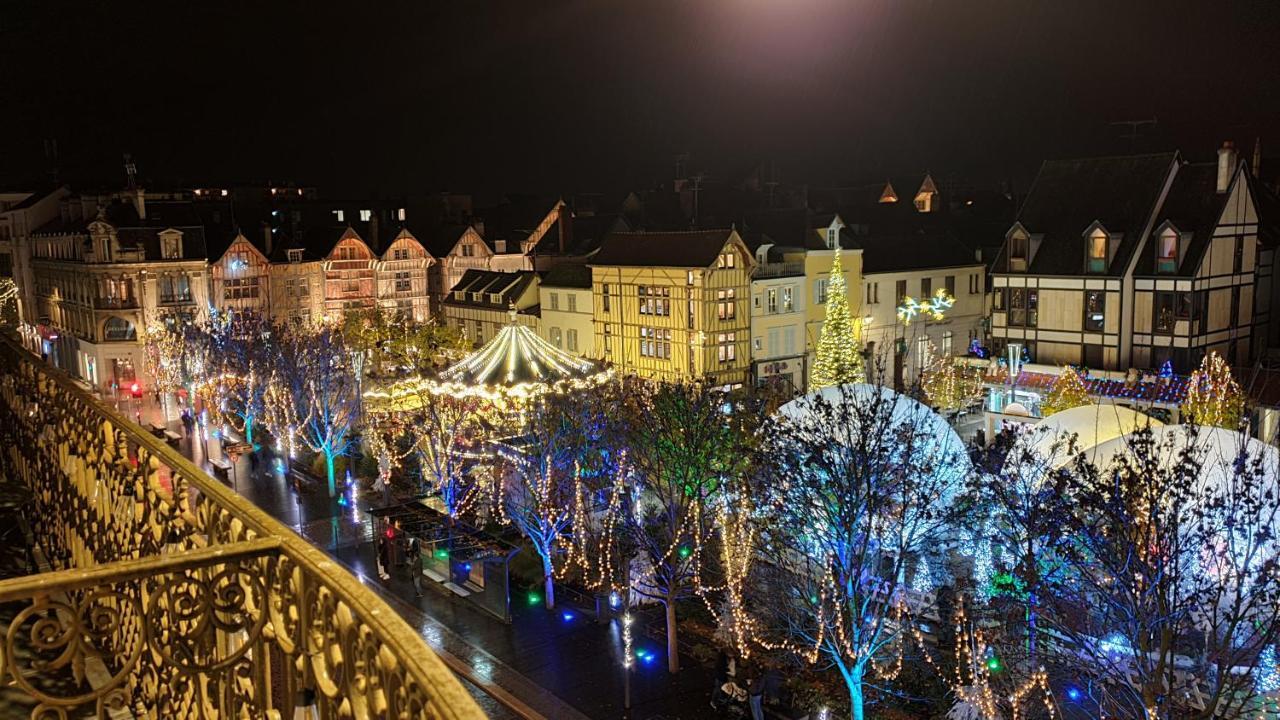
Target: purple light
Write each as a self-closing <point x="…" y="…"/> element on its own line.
<point x="568" y="616"/>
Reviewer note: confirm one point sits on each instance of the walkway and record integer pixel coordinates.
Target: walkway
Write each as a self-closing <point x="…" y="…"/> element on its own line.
<point x="557" y="664"/>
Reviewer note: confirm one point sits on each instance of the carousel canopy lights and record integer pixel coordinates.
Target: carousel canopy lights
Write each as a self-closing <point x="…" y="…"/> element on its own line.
<point x="515" y="363"/>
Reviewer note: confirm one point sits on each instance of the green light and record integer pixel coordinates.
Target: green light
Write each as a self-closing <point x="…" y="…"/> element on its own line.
<point x="442" y="554"/>
<point x="993" y="664"/>
<point x="534" y="598"/>
<point x="684" y="551"/>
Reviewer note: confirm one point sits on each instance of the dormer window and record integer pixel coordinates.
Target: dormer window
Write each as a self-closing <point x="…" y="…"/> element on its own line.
<point x="833" y="237"/>
<point x="1097" y="251"/>
<point x="500" y="246"/>
<point x="726" y="260"/>
<point x="341" y="215"/>
<point x="1019" y="252"/>
<point x="1167" y="251"/>
<point x="295" y="255"/>
<point x="366" y="215"/>
<point x="171" y="246"/>
<point x="924" y="202"/>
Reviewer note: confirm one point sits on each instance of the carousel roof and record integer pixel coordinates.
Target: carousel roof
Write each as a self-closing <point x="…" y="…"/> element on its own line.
<point x="516" y="355"/>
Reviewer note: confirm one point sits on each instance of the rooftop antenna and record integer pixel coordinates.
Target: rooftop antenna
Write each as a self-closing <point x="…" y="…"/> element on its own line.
<point x="1133" y="126"/>
<point x="131" y="171"/>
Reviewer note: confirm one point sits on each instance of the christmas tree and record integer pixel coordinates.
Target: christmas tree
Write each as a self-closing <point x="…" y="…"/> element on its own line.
<point x="839" y="358"/>
<point x="1214" y="398"/>
<point x="949" y="386"/>
<point x="1068" y="391"/>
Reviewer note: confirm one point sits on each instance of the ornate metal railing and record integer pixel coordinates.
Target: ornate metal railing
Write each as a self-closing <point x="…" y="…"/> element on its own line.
<point x="171" y="597"/>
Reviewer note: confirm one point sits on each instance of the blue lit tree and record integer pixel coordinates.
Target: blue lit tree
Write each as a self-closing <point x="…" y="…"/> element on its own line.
<point x="329" y="401"/>
<point x="241" y="353"/>
<point x="852" y="488"/>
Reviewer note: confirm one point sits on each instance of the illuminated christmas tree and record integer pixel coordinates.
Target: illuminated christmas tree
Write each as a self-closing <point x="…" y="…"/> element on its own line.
<point x="839" y="359"/>
<point x="949" y="386"/>
<point x="1214" y="398"/>
<point x="1068" y="391"/>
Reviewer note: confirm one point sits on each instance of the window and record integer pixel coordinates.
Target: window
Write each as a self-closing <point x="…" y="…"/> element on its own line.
<point x="402" y="282"/>
<point x="556" y="337"/>
<point x="833" y="237"/>
<point x="294" y="255"/>
<point x="949" y="282"/>
<point x="1023" y="305"/>
<point x="1165" y="314"/>
<point x="926" y="288"/>
<point x="726" y="305"/>
<point x="468" y="250"/>
<point x="555" y="301"/>
<point x="655" y="343"/>
<point x="573" y="303"/>
<point x="604" y="296"/>
<point x="690" y="304"/>
<point x="726" y="350"/>
<point x="400" y="214"/>
<point x="757" y="343"/>
<point x="789" y="340"/>
<point x="304" y="288"/>
<point x="922" y="352"/>
<point x="901" y="291"/>
<point x="689" y="278"/>
<point x="973" y="284"/>
<point x="726" y="260"/>
<point x="1167" y="252"/>
<point x="873" y="292"/>
<point x="571" y="339"/>
<point x="1019" y="246"/>
<point x="947" y="341"/>
<point x="820" y="291"/>
<point x="1094" y="315"/>
<point x="171" y="246"/>
<point x="771" y="300"/>
<point x="342" y="216"/>
<point x="608" y="337"/>
<point x="787" y="304"/>
<point x="366" y="215"/>
<point x="655" y="300"/>
<point x="400" y="254"/>
<point x="1237" y="263"/>
<point x="1097" y="252"/>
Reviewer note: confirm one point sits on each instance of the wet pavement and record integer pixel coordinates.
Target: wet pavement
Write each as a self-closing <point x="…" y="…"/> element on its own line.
<point x="557" y="663"/>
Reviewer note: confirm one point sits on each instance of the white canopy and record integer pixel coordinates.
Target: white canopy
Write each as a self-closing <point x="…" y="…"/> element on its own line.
<point x="1089" y="425"/>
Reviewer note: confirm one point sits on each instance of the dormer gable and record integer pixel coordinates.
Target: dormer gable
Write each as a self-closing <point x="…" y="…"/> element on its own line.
<point x="171" y="244"/>
<point x="888" y="195"/>
<point x="1100" y="247"/>
<point x="404" y="246"/>
<point x="470" y="244"/>
<point x="350" y="247"/>
<point x="1021" y="246"/>
<point x="926" y="199"/>
<point x="1170" y="247"/>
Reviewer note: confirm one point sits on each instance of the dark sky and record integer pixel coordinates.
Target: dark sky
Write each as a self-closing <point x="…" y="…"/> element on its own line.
<point x="585" y="94"/>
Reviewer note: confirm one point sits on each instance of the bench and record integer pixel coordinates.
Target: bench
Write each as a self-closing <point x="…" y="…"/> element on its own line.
<point x="157" y="429"/>
<point x="221" y="469"/>
<point x="172" y="437"/>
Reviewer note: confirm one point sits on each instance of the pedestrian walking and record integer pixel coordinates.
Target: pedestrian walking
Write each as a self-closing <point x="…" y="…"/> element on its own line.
<point x="755" y="694"/>
<point x="413" y="556"/>
<point x="384" y="552"/>
<point x="253" y="462"/>
<point x="188" y="422"/>
<point x="721" y="676"/>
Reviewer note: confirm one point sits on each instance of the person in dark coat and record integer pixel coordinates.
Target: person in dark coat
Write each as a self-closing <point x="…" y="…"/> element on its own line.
<point x="413" y="559"/>
<point x="721" y="676"/>
<point x="755" y="694"/>
<point x="384" y="557"/>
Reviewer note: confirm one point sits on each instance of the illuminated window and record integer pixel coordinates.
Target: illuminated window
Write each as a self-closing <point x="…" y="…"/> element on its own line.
<point x="726" y="350"/>
<point x="366" y="215"/>
<point x="1019" y="247"/>
<point x="726" y="306"/>
<point x="771" y="301"/>
<point x="1023" y="307"/>
<point x="1094" y="307"/>
<point x="555" y="336"/>
<point x="342" y="216"/>
<point x="820" y="291"/>
<point x="787" y="303"/>
<point x="726" y="260"/>
<point x="294" y="255"/>
<point x="1167" y="252"/>
<point x="400" y="214"/>
<point x="1098" y="251"/>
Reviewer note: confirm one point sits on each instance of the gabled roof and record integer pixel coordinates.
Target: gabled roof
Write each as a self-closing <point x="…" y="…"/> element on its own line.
<point x="789" y="227"/>
<point x="1070" y="195"/>
<point x="394" y="235"/>
<point x="590" y="231"/>
<point x="1267" y="204"/>
<point x="691" y="249"/>
<point x="1193" y="206"/>
<point x="508" y="286"/>
<point x="441" y="239"/>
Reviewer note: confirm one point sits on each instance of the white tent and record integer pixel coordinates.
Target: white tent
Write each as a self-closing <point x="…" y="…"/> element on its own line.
<point x="1086" y="427"/>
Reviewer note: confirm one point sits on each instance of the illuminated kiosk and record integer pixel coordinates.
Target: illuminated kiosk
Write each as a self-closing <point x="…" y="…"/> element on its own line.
<point x="500" y="379"/>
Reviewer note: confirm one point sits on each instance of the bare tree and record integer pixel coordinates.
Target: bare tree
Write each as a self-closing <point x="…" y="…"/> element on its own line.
<point x="852" y="486"/>
<point x="330" y="401"/>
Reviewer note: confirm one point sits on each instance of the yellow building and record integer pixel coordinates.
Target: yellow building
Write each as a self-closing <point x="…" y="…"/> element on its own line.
<point x="673" y="306"/>
<point x="564" y="299"/>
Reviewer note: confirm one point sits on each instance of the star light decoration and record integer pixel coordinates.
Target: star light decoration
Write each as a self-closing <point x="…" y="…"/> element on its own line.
<point x="934" y="308"/>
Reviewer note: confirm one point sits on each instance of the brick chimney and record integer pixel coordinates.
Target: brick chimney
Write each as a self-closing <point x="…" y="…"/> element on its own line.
<point x="1226" y="165"/>
<point x="373" y="239"/>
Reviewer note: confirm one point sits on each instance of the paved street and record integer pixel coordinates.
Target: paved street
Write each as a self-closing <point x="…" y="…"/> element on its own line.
<point x="544" y="663"/>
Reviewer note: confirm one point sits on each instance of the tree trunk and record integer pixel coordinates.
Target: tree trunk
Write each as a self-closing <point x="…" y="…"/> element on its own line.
<point x="673" y="654"/>
<point x="248" y="430"/>
<point x="854" y="681"/>
<point x="550" y="584"/>
<point x="328" y="463"/>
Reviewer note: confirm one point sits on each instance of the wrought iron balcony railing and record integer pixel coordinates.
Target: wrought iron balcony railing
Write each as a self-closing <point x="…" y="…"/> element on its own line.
<point x="171" y="597"/>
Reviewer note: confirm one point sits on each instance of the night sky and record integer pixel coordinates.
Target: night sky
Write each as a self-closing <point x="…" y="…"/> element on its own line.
<point x="599" y="94"/>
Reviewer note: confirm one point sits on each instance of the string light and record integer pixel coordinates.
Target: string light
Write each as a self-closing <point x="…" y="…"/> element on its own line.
<point x="1068" y="391"/>
<point x="839" y="354"/>
<point x="1214" y="397"/>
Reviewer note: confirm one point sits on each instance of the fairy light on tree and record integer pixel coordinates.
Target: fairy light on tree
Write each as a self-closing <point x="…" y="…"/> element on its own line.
<point x="1068" y="391"/>
<point x="1214" y="398"/>
<point x="950" y="386"/>
<point x="329" y="402"/>
<point x="839" y="355"/>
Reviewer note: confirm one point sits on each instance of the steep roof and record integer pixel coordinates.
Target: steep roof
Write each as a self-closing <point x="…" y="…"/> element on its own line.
<point x="790" y="227"/>
<point x="1268" y="205"/>
<point x="1193" y="205"/>
<point x="693" y="248"/>
<point x="507" y="286"/>
<point x="1070" y="195"/>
